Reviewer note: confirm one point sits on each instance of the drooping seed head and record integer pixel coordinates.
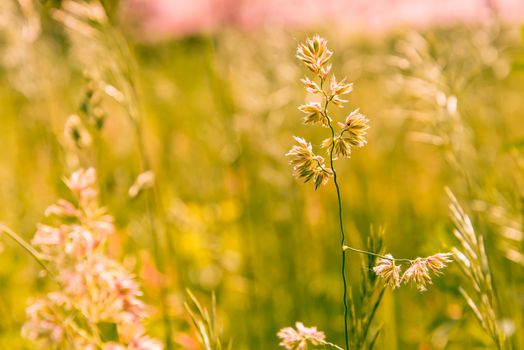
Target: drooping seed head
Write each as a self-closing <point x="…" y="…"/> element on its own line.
<point x="388" y="271"/>
<point x="418" y="274"/>
<point x="438" y="261"/>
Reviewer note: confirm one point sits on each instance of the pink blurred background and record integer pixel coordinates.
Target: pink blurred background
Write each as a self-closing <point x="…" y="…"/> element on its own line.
<point x="161" y="19"/>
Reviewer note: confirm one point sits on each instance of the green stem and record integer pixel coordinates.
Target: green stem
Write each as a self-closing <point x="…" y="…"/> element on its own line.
<point x="340" y="218"/>
<point x="324" y="112"/>
<point x="151" y="204"/>
<point x="342" y="240"/>
<point x="26" y="246"/>
<point x="128" y="84"/>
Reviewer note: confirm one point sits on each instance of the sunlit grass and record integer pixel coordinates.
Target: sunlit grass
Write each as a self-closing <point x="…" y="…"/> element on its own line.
<point x="212" y="118"/>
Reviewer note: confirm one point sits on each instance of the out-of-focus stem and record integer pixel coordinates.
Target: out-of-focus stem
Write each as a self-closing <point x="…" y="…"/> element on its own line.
<point x="26" y="246"/>
<point x="125" y="78"/>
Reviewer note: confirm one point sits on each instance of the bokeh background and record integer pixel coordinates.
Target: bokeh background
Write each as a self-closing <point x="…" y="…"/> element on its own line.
<point x="210" y="93"/>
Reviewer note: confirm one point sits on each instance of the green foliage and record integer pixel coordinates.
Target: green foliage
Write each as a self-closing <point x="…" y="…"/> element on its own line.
<point x="205" y="323"/>
<point x="364" y="332"/>
<point x="108" y="331"/>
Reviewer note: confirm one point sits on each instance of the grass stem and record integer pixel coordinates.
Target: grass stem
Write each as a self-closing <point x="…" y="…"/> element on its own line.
<point x="26" y="246"/>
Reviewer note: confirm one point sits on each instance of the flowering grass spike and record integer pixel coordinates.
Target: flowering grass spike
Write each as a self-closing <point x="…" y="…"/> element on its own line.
<point x="298" y="339"/>
<point x="315" y="55"/>
<point x="308" y="166"/>
<point x="95" y="290"/>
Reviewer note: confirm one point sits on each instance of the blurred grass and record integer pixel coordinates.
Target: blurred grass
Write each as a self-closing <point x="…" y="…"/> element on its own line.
<point x="218" y="113"/>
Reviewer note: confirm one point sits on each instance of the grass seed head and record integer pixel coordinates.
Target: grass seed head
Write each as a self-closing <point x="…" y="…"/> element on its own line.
<point x="299" y="338"/>
<point x="388" y="271"/>
<point x="418" y="274"/>
<point x="307" y="165"/>
<point x="356" y="126"/>
<point x="315" y="55"/>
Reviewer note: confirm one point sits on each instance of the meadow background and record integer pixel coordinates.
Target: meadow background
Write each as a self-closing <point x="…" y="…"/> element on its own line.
<point x="211" y="109"/>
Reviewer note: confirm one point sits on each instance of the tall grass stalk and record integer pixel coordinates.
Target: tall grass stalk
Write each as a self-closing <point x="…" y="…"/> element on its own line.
<point x="340" y="218"/>
<point x="440" y="87"/>
<point x="310" y="167"/>
<point x="119" y="67"/>
<point x="205" y="322"/>
<point x="473" y="261"/>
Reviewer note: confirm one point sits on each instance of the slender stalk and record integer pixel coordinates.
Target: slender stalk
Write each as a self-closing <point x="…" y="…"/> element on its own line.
<point x="332" y="345"/>
<point x="327" y="99"/>
<point x="151" y="204"/>
<point x="340" y="218"/>
<point x="375" y="254"/>
<point x="128" y="84"/>
<point x="342" y="239"/>
<point x="26" y="246"/>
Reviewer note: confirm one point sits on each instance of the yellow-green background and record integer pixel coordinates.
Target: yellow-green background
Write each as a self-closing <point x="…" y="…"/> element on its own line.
<point x="218" y="114"/>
